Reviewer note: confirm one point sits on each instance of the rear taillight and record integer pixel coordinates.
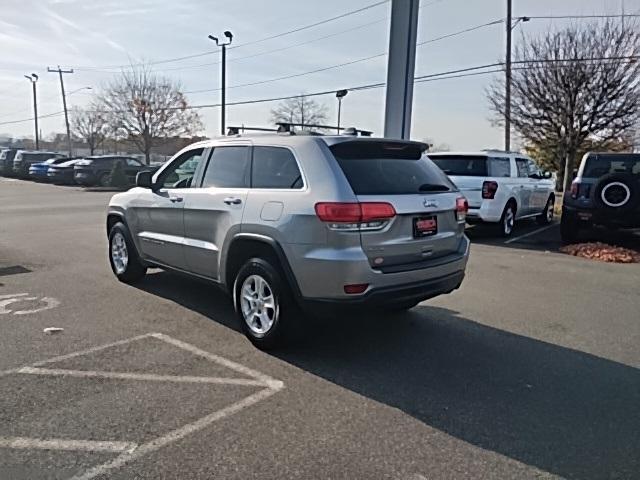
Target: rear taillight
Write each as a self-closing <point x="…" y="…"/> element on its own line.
<point x="462" y="207"/>
<point x="355" y="216"/>
<point x="355" y="288"/>
<point x="489" y="189"/>
<point x="575" y="187"/>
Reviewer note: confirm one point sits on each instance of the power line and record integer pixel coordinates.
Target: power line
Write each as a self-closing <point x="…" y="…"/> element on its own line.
<point x="253" y="42"/>
<point x="553" y="17"/>
<point x="331" y="67"/>
<point x="450" y="74"/>
<point x="275" y="50"/>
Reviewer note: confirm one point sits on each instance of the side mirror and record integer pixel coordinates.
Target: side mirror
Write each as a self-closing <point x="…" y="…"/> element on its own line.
<point x="546" y="175"/>
<point x="574" y="174"/>
<point x="144" y="179"/>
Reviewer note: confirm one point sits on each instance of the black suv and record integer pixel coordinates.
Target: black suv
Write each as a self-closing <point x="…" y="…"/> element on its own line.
<point x="96" y="170"/>
<point x="605" y="191"/>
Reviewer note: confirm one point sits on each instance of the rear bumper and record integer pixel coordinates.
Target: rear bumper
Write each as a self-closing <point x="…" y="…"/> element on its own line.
<point x="488" y="211"/>
<point x="406" y="293"/>
<point x="322" y="273"/>
<point x="609" y="217"/>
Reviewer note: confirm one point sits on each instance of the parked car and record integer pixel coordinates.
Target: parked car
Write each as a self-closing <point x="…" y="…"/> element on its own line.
<point x="501" y="187"/>
<point x="605" y="191"/>
<point x="39" y="171"/>
<point x="62" y="173"/>
<point x="25" y="158"/>
<point x="97" y="170"/>
<point x="6" y="161"/>
<point x="288" y="221"/>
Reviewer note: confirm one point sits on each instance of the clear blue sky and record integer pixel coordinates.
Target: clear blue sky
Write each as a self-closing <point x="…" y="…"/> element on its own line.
<point x="85" y="34"/>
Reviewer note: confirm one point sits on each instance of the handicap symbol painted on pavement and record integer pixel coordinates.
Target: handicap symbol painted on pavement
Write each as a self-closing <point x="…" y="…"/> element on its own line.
<point x="39" y="303"/>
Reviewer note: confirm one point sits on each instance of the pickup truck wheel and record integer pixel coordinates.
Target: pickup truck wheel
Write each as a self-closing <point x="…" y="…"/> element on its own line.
<point x="123" y="257"/>
<point x="569" y="228"/>
<point x="264" y="304"/>
<point x="508" y="220"/>
<point x="546" y="217"/>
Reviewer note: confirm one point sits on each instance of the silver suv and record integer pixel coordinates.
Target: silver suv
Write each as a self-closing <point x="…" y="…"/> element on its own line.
<point x="291" y="222"/>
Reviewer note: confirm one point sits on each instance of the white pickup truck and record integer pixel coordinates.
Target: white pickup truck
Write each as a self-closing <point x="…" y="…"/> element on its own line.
<point x="501" y="187"/>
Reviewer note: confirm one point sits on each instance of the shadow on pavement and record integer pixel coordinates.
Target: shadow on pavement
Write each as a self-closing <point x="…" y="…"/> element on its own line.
<point x="560" y="410"/>
<point x="563" y="411"/>
<point x="198" y="296"/>
<point x="549" y="238"/>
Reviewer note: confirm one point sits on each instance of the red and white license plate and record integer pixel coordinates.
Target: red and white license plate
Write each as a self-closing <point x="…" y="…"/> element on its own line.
<point x="425" y="226"/>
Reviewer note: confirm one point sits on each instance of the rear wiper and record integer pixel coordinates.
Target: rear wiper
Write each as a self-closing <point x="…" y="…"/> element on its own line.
<point x="433" y="187"/>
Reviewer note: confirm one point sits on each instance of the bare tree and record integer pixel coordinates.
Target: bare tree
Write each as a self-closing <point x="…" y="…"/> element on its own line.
<point x="574" y="87"/>
<point x="145" y="107"/>
<point x="300" y="109"/>
<point x="89" y="125"/>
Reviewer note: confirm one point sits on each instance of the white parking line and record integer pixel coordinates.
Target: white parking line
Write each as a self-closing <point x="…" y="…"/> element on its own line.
<point x="267" y="380"/>
<point x="140" y="376"/>
<point x="515" y="239"/>
<point x="130" y="451"/>
<point x="64" y="444"/>
<point x="91" y="350"/>
<point x="176" y="435"/>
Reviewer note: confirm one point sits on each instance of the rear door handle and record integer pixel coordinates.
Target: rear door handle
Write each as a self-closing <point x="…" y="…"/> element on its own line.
<point x="175" y="199"/>
<point x="232" y="201"/>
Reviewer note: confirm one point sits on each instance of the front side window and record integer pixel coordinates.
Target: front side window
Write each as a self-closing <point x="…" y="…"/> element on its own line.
<point x="523" y="167"/>
<point x="275" y="167"/>
<point x="533" y="168"/>
<point x="182" y="170"/>
<point x="228" y="167"/>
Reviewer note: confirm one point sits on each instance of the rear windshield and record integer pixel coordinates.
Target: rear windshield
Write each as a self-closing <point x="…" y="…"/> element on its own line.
<point x="394" y="168"/>
<point x="473" y="165"/>
<point x="602" y="164"/>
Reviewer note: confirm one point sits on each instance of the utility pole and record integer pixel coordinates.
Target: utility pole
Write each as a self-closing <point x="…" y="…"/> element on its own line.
<point x="223" y="82"/>
<point x="507" y="92"/>
<point x="33" y="78"/>
<point x="64" y="103"/>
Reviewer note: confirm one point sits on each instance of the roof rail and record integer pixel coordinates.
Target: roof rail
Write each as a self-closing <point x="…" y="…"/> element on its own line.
<point x="288" y="127"/>
<point x="237" y="130"/>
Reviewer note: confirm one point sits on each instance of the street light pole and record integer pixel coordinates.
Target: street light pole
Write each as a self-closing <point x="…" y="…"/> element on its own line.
<point x="33" y="78"/>
<point x="223" y="105"/>
<point x="340" y="94"/>
<point x="507" y="92"/>
<point x="64" y="104"/>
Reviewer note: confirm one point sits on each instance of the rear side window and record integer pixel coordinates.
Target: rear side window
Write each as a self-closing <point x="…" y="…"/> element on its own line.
<point x="275" y="167"/>
<point x="389" y="168"/>
<point x="473" y="165"/>
<point x="523" y="167"/>
<point x="599" y="165"/>
<point x="228" y="167"/>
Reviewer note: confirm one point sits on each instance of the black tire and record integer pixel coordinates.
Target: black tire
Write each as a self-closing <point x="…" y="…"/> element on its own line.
<point x="546" y="217"/>
<point x="104" y="180"/>
<point x="569" y="228"/>
<point x="284" y="317"/>
<point x="134" y="270"/>
<point x="508" y="220"/>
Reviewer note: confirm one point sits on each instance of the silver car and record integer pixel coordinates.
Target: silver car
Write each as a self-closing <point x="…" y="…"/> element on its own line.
<point x="291" y="222"/>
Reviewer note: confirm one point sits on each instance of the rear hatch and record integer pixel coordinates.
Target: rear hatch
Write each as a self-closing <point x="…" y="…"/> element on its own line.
<point x="425" y="225"/>
<point x="469" y="172"/>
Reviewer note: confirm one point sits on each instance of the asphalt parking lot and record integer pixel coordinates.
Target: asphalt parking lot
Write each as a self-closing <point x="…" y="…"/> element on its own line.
<point x="530" y="370"/>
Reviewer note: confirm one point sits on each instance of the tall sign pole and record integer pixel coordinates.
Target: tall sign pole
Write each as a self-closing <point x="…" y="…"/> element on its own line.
<point x="401" y="68"/>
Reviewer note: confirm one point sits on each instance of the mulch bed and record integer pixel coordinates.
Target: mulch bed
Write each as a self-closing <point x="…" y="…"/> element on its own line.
<point x="602" y="252"/>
